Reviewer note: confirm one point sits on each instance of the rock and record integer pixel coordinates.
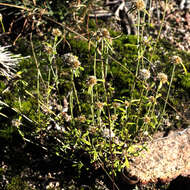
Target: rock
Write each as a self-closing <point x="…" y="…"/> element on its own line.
<point x="165" y="159"/>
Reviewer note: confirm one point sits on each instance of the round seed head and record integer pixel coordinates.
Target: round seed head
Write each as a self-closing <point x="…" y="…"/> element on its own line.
<point x="116" y="104"/>
<point x="140" y="4"/>
<point x="144" y="74"/>
<point x="100" y="105"/>
<point x="82" y="118"/>
<point x="56" y="32"/>
<point x="176" y="60"/>
<point x="92" y="80"/>
<point x="163" y="77"/>
<point x="147" y="119"/>
<point x="114" y="117"/>
<point x="126" y="103"/>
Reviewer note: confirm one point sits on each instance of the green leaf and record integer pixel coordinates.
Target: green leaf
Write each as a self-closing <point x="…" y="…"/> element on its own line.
<point x="86" y="142"/>
<point x="126" y="163"/>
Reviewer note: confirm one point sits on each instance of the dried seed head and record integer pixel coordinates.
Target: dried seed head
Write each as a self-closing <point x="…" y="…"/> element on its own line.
<point x="48" y="49"/>
<point x="176" y="60"/>
<point x="81" y="118"/>
<point x="126" y="103"/>
<point x="16" y="122"/>
<point x="108" y="133"/>
<point x="72" y="60"/>
<point x="100" y="105"/>
<point x="147" y="119"/>
<point x="56" y="32"/>
<point x="114" y="117"/>
<point x="116" y="104"/>
<point x="67" y="117"/>
<point x="144" y="74"/>
<point x="75" y="64"/>
<point x="140" y="4"/>
<point x="105" y="33"/>
<point x="93" y="129"/>
<point x="163" y="77"/>
<point x="152" y="99"/>
<point x="92" y="80"/>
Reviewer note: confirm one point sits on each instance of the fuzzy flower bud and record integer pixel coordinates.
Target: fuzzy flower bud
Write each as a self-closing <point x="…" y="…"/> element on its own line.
<point x="108" y="133"/>
<point x="152" y="99"/>
<point x="114" y="117"/>
<point x="126" y="104"/>
<point x="72" y="60"/>
<point x="92" y="80"/>
<point x="144" y="74"/>
<point x="163" y="77"/>
<point x="105" y="33"/>
<point x="81" y="118"/>
<point x="176" y="60"/>
<point x="140" y="4"/>
<point x="116" y="104"/>
<point x="147" y="119"/>
<point x="100" y="105"/>
<point x="48" y="49"/>
<point x="56" y="32"/>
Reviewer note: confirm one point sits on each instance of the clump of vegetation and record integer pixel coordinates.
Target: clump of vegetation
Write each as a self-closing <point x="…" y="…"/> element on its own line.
<point x="18" y="184"/>
<point x="96" y="94"/>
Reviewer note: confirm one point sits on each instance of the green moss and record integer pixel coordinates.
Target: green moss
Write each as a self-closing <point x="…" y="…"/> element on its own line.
<point x="185" y="81"/>
<point x="18" y="184"/>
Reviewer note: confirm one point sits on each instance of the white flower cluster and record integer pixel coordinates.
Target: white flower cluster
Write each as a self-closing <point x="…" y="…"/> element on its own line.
<point x="107" y="133"/>
<point x="8" y="62"/>
<point x="144" y="74"/>
<point x="72" y="60"/>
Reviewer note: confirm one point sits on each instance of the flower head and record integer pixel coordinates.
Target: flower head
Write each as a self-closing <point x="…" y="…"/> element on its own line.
<point x="108" y="133"/>
<point x="16" y="122"/>
<point x="147" y="119"/>
<point x="116" y="104"/>
<point x="152" y="99"/>
<point x="140" y="4"/>
<point x="126" y="104"/>
<point x="72" y="60"/>
<point x="100" y="105"/>
<point x="176" y="60"/>
<point x="92" y="80"/>
<point x="103" y="33"/>
<point x="81" y="118"/>
<point x="48" y="49"/>
<point x="163" y="77"/>
<point x="56" y="32"/>
<point x="114" y="117"/>
<point x="145" y="74"/>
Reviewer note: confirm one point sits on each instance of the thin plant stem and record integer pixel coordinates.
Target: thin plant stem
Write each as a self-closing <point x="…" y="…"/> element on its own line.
<point x="71" y="105"/>
<point x="38" y="75"/>
<point x="92" y="106"/>
<point x="163" y="111"/>
<point x="75" y="91"/>
<point x="2" y="25"/>
<point x="138" y="61"/>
